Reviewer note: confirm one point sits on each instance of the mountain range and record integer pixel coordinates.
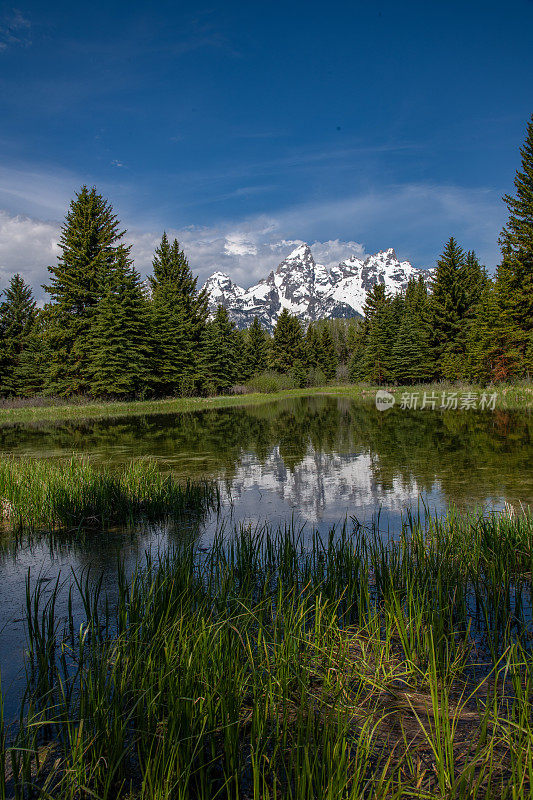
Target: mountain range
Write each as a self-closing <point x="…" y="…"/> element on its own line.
<point x="310" y="290"/>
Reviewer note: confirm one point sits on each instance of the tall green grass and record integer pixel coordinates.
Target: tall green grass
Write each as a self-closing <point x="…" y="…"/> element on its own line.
<point x="74" y="494"/>
<point x="352" y="666"/>
<point x="512" y="397"/>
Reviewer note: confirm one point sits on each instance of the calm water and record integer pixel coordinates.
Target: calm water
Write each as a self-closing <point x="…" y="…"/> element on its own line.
<point x="317" y="461"/>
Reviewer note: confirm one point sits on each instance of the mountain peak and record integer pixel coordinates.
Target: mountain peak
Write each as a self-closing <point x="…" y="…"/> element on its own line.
<point x="310" y="291"/>
<point x="303" y="251"/>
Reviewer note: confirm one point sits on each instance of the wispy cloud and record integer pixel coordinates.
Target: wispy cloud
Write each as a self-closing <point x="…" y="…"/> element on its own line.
<point x="27" y="246"/>
<point x="415" y="219"/>
<point x="15" y="30"/>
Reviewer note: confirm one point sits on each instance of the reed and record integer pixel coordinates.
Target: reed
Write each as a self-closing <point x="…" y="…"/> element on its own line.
<point x="74" y="494"/>
<point x="352" y="666"/>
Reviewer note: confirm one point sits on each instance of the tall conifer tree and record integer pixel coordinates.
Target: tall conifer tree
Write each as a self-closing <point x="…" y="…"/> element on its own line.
<point x="90" y="241"/>
<point x="328" y="357"/>
<point x="287" y="344"/>
<point x="17" y="318"/>
<point x="118" y="366"/>
<point x="514" y="277"/>
<point x="218" y="363"/>
<point x="448" y="305"/>
<point x="256" y="348"/>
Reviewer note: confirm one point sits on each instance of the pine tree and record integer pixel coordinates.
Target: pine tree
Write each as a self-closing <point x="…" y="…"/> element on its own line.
<point x="288" y="344"/>
<point x="377" y="365"/>
<point x="328" y="361"/>
<point x="118" y="365"/>
<point x="17" y="318"/>
<point x="218" y="365"/>
<point x="312" y="347"/>
<point x="173" y="275"/>
<point x="172" y="358"/>
<point x="411" y="360"/>
<point x="475" y="280"/>
<point x="90" y="243"/>
<point x="448" y="306"/>
<point x="30" y="375"/>
<point x="514" y="277"/>
<point x="256" y="349"/>
<point x="371" y="358"/>
<point x="178" y="321"/>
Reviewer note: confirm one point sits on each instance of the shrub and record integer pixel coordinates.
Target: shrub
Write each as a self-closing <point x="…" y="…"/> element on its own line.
<point x="268" y="382"/>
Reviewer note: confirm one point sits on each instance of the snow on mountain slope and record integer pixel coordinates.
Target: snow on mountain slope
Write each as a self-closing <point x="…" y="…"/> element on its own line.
<point x="309" y="290"/>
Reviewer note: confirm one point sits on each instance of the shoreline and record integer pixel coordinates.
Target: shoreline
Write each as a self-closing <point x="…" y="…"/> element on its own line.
<point x="509" y="397"/>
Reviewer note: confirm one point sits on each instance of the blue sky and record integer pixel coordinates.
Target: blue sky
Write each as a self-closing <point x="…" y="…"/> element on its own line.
<point x="244" y="127"/>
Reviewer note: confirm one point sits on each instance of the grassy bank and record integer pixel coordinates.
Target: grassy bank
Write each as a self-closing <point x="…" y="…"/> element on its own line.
<point x="511" y="397"/>
<point x="352" y="668"/>
<point x="73" y="494"/>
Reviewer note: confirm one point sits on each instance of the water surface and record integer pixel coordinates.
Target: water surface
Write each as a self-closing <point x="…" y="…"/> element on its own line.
<point x="314" y="461"/>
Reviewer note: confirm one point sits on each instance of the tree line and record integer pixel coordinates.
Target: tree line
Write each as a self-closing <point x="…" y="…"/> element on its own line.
<point x="106" y="333"/>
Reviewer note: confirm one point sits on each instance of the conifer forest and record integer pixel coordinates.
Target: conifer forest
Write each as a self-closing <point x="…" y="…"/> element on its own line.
<point x="266" y="401"/>
<point x="106" y="333"/>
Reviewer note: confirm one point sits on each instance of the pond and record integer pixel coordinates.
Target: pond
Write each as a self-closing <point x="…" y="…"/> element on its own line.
<point x="313" y="461"/>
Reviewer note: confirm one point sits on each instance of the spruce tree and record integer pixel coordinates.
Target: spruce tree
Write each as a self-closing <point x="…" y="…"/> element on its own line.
<point x="118" y="365"/>
<point x="287" y="344"/>
<point x="447" y="309"/>
<point x="411" y="360"/>
<point x="173" y="276"/>
<point x="17" y="318"/>
<point x="514" y="277"/>
<point x="312" y="347"/>
<point x="30" y="375"/>
<point x="90" y="242"/>
<point x="173" y="361"/>
<point x="371" y="359"/>
<point x="256" y="349"/>
<point x="178" y="320"/>
<point x="218" y="364"/>
<point x="377" y="365"/>
<point x="328" y="357"/>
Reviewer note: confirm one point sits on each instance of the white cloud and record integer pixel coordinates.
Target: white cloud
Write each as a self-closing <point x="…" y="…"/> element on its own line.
<point x="27" y="246"/>
<point x="238" y="244"/>
<point x="414" y="219"/>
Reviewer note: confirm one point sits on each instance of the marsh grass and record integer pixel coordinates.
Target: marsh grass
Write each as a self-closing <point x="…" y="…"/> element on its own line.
<point x="354" y="666"/>
<point x="74" y="494"/>
<point x="512" y="397"/>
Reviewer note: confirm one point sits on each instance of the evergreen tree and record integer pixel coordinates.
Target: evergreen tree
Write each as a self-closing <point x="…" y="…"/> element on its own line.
<point x="172" y="358"/>
<point x="328" y="357"/>
<point x="514" y="277"/>
<point x="411" y="360"/>
<point x="256" y="349"/>
<point x="173" y="276"/>
<point x="179" y="316"/>
<point x="118" y="365"/>
<point x="475" y="280"/>
<point x="30" y="375"/>
<point x="218" y="365"/>
<point x="313" y="347"/>
<point x="377" y="364"/>
<point x="448" y="305"/>
<point x="287" y="344"/>
<point x="371" y="358"/>
<point x="90" y="243"/>
<point x="17" y="318"/>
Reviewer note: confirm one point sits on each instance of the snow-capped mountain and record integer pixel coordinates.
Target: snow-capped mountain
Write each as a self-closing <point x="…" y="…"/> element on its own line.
<point x="310" y="290"/>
